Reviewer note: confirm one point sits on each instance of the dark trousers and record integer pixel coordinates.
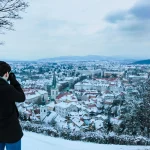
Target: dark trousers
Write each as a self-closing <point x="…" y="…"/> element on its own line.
<point x="11" y="146"/>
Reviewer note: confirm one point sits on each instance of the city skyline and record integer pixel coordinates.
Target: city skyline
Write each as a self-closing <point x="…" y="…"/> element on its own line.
<point x="75" y="28"/>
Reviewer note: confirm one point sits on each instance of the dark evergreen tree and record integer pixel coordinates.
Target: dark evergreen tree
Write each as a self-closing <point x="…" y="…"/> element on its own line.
<point x="143" y="112"/>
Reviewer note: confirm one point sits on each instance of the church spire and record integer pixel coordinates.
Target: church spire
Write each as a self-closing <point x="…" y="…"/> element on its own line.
<point x="54" y="82"/>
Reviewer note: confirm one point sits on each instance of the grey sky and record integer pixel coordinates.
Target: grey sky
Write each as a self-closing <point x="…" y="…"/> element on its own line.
<point x="52" y="28"/>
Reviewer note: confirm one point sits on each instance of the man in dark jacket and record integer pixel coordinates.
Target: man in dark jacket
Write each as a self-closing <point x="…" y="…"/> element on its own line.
<point x="10" y="129"/>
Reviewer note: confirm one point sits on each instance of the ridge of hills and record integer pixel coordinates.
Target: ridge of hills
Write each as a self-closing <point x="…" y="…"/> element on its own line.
<point x="91" y="58"/>
<point x="147" y="61"/>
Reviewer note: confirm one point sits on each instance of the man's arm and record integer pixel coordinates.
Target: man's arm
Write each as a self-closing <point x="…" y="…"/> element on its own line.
<point x="15" y="94"/>
<point x="15" y="89"/>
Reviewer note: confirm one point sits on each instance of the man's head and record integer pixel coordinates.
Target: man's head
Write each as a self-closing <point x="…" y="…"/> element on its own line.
<point x="4" y="70"/>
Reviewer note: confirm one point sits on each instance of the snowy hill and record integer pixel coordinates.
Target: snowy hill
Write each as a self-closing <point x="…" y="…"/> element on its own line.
<point x="34" y="141"/>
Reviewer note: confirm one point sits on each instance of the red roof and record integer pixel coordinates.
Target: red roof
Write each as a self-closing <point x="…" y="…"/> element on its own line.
<point x="61" y="95"/>
<point x="37" y="111"/>
<point x="91" y="105"/>
<point x="107" y="92"/>
<point x="110" y="79"/>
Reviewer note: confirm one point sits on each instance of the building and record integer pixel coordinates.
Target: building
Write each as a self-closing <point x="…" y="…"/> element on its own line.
<point x="54" y="89"/>
<point x="64" y="108"/>
<point x="43" y="112"/>
<point x="36" y="96"/>
<point x="66" y="97"/>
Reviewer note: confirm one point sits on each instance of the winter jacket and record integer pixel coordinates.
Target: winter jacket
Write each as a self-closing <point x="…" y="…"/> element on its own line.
<point x="10" y="129"/>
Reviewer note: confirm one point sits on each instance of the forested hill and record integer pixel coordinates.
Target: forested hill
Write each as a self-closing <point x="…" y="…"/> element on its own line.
<point x="142" y="62"/>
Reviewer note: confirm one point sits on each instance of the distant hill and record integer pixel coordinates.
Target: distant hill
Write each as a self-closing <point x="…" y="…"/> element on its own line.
<point x="90" y="58"/>
<point x="142" y="62"/>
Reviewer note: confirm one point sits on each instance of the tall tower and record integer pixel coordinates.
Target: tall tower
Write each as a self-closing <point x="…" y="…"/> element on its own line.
<point x="54" y="82"/>
<point x="43" y="112"/>
<point x="54" y="89"/>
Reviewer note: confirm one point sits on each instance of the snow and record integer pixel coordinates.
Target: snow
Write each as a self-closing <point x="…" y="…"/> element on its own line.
<point x="68" y="97"/>
<point x="34" y="141"/>
<point x="64" y="105"/>
<point x="78" y="122"/>
<point x="51" y="104"/>
<point x="34" y="93"/>
<point x="98" y="124"/>
<point x="115" y="121"/>
<point x="49" y="118"/>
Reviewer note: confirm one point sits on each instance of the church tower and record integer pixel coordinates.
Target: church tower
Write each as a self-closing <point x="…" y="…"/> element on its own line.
<point x="43" y="112"/>
<point x="54" y="89"/>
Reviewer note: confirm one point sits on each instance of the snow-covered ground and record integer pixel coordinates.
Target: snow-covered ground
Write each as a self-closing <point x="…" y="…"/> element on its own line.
<point x="34" y="141"/>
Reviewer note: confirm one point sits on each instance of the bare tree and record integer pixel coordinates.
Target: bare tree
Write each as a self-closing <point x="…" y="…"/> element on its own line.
<point x="9" y="11"/>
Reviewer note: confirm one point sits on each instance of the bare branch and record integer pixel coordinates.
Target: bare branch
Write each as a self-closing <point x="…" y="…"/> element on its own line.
<point x="9" y="11"/>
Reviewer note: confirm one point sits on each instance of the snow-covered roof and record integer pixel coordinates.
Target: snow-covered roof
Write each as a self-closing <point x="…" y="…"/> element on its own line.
<point x="64" y="105"/>
<point x="115" y="121"/>
<point x="31" y="93"/>
<point x="59" y="119"/>
<point x="49" y="118"/>
<point x="74" y="113"/>
<point x="98" y="124"/>
<point x="51" y="104"/>
<point x="67" y="97"/>
<point x="102" y="116"/>
<point x="78" y="122"/>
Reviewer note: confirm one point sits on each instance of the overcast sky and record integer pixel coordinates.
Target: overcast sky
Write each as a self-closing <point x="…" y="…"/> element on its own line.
<point x="51" y="28"/>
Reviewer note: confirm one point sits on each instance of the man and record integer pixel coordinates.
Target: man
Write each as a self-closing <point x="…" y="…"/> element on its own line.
<point x="10" y="129"/>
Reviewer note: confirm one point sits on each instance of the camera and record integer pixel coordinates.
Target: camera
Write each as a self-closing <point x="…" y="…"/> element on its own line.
<point x="11" y="75"/>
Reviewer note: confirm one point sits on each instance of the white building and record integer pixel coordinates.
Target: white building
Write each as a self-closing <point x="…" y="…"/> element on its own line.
<point x="36" y="96"/>
<point x="92" y="85"/>
<point x="54" y="93"/>
<point x="43" y="112"/>
<point x="66" y="97"/>
<point x="83" y="86"/>
<point x="64" y="108"/>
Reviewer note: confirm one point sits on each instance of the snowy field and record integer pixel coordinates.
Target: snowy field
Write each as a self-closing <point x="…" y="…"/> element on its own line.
<point x="34" y="141"/>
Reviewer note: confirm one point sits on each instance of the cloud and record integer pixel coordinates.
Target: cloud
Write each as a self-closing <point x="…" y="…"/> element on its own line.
<point x="140" y="10"/>
<point x="52" y="24"/>
<point x="114" y="17"/>
<point x="133" y="21"/>
<point x="65" y="27"/>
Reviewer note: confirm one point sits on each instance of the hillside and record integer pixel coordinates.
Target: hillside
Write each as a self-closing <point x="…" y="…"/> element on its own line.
<point x="142" y="62"/>
<point x="34" y="141"/>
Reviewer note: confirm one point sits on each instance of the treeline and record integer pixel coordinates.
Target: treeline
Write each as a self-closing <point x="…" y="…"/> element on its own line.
<point x="95" y="137"/>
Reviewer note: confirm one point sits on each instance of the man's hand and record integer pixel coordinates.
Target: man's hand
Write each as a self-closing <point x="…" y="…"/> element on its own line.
<point x="12" y="78"/>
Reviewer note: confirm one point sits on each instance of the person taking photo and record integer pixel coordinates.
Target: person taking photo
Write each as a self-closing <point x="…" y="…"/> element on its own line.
<point x="10" y="92"/>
